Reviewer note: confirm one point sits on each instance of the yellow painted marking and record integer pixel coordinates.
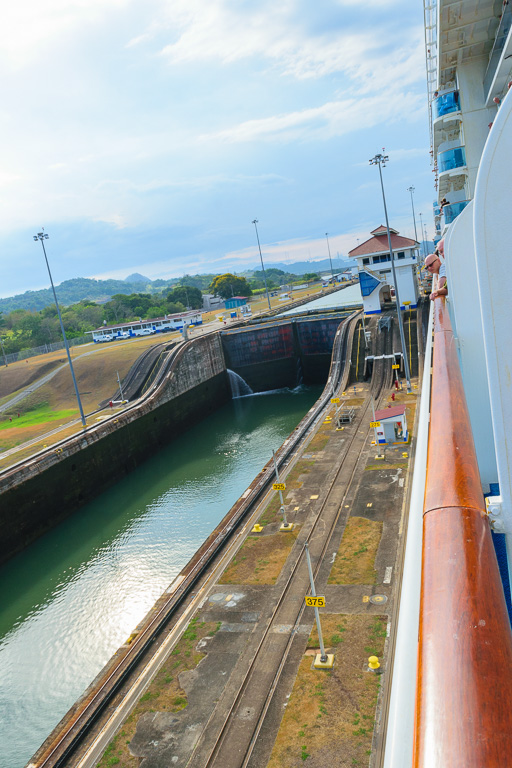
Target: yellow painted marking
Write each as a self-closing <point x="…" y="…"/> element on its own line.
<point x="314" y="497"/>
<point x="279" y="486"/>
<point x="228" y="598"/>
<point x="296" y="509"/>
<point x="366" y="598"/>
<point x="318" y="601"/>
<point x="370" y="504"/>
<point x="346" y="506"/>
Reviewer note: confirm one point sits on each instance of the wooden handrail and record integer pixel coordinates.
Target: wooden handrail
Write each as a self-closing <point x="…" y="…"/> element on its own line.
<point x="463" y="714"/>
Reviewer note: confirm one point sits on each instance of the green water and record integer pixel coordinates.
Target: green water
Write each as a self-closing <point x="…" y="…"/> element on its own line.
<point x="73" y="597"/>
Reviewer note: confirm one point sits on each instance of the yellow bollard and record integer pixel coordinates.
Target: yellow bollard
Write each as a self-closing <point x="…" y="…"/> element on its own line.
<point x="257" y="528"/>
<point x="373" y="663"/>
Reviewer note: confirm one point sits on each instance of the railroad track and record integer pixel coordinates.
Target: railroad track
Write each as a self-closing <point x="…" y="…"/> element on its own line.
<point x="67" y="737"/>
<point x="236" y="736"/>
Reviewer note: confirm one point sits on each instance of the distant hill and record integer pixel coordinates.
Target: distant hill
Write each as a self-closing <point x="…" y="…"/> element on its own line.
<point x="302" y="267"/>
<point x="73" y="291"/>
<point x="79" y="288"/>
<point x="137" y="278"/>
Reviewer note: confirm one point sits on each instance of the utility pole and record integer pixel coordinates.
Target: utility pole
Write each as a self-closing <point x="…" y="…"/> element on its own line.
<point x="42" y="236"/>
<point x="3" y="351"/>
<point x="255" y="222"/>
<point x="411" y="190"/>
<point x="120" y="387"/>
<point x="329" y="251"/>
<point x="382" y="160"/>
<point x="286" y="526"/>
<point x="323" y="660"/>
<point x="423" y="242"/>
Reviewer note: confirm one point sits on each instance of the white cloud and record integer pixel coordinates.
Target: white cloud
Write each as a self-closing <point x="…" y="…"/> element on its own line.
<point x="334" y="118"/>
<point x="282" y="34"/>
<point x="30" y="26"/>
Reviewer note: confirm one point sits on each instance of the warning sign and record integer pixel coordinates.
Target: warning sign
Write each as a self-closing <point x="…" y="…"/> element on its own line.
<point x="315" y="602"/>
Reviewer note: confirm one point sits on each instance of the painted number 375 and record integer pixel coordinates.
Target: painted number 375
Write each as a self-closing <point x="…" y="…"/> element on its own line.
<point x="315" y="602"/>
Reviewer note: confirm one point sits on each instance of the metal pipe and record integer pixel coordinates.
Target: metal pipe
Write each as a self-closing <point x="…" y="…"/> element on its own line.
<point x="323" y="655"/>
<point x="282" y="507"/>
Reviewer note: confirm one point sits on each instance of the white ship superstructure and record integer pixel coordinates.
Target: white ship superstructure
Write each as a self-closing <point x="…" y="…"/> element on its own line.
<point x="451" y="673"/>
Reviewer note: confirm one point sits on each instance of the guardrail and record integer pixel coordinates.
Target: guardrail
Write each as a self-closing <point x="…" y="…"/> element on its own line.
<point x="463" y="714"/>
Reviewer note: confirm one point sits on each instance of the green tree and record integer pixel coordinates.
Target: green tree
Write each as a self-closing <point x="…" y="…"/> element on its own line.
<point x="175" y="308"/>
<point x="154" y="312"/>
<point x="228" y="285"/>
<point x="186" y="295"/>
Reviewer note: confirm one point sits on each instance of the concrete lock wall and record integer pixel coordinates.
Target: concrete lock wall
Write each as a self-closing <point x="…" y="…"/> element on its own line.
<point x="44" y="491"/>
<point x="282" y="354"/>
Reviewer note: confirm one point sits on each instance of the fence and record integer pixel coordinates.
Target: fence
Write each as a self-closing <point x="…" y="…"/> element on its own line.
<point x="24" y="354"/>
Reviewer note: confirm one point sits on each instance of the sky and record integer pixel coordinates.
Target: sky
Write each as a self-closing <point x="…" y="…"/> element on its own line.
<point x="147" y="135"/>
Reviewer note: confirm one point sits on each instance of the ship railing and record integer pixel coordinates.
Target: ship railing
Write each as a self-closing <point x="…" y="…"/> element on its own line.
<point x="454" y="614"/>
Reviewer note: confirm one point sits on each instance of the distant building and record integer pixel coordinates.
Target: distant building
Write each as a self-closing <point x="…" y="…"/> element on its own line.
<point x="235" y="301"/>
<point x="375" y="273"/>
<point x="146" y="327"/>
<point x="211" y="302"/>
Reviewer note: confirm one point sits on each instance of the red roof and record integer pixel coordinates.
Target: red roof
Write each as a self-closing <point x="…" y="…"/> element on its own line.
<point x="378" y="243"/>
<point x="381" y="230"/>
<point x="386" y="413"/>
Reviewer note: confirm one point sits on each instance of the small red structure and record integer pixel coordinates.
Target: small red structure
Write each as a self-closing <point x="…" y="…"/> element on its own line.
<point x="393" y="425"/>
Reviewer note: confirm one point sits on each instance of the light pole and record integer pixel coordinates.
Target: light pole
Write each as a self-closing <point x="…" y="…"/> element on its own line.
<point x="411" y="190"/>
<point x="382" y="160"/>
<point x="120" y="387"/>
<point x="3" y="352"/>
<point x="255" y="222"/>
<point x="425" y="239"/>
<point x="329" y="251"/>
<point x="423" y="244"/>
<point x="42" y="236"/>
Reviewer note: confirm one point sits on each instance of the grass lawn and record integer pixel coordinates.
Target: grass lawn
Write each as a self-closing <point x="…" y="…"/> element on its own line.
<point x="330" y="715"/>
<point x="260" y="559"/>
<point x="41" y="415"/>
<point x="355" y="561"/>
